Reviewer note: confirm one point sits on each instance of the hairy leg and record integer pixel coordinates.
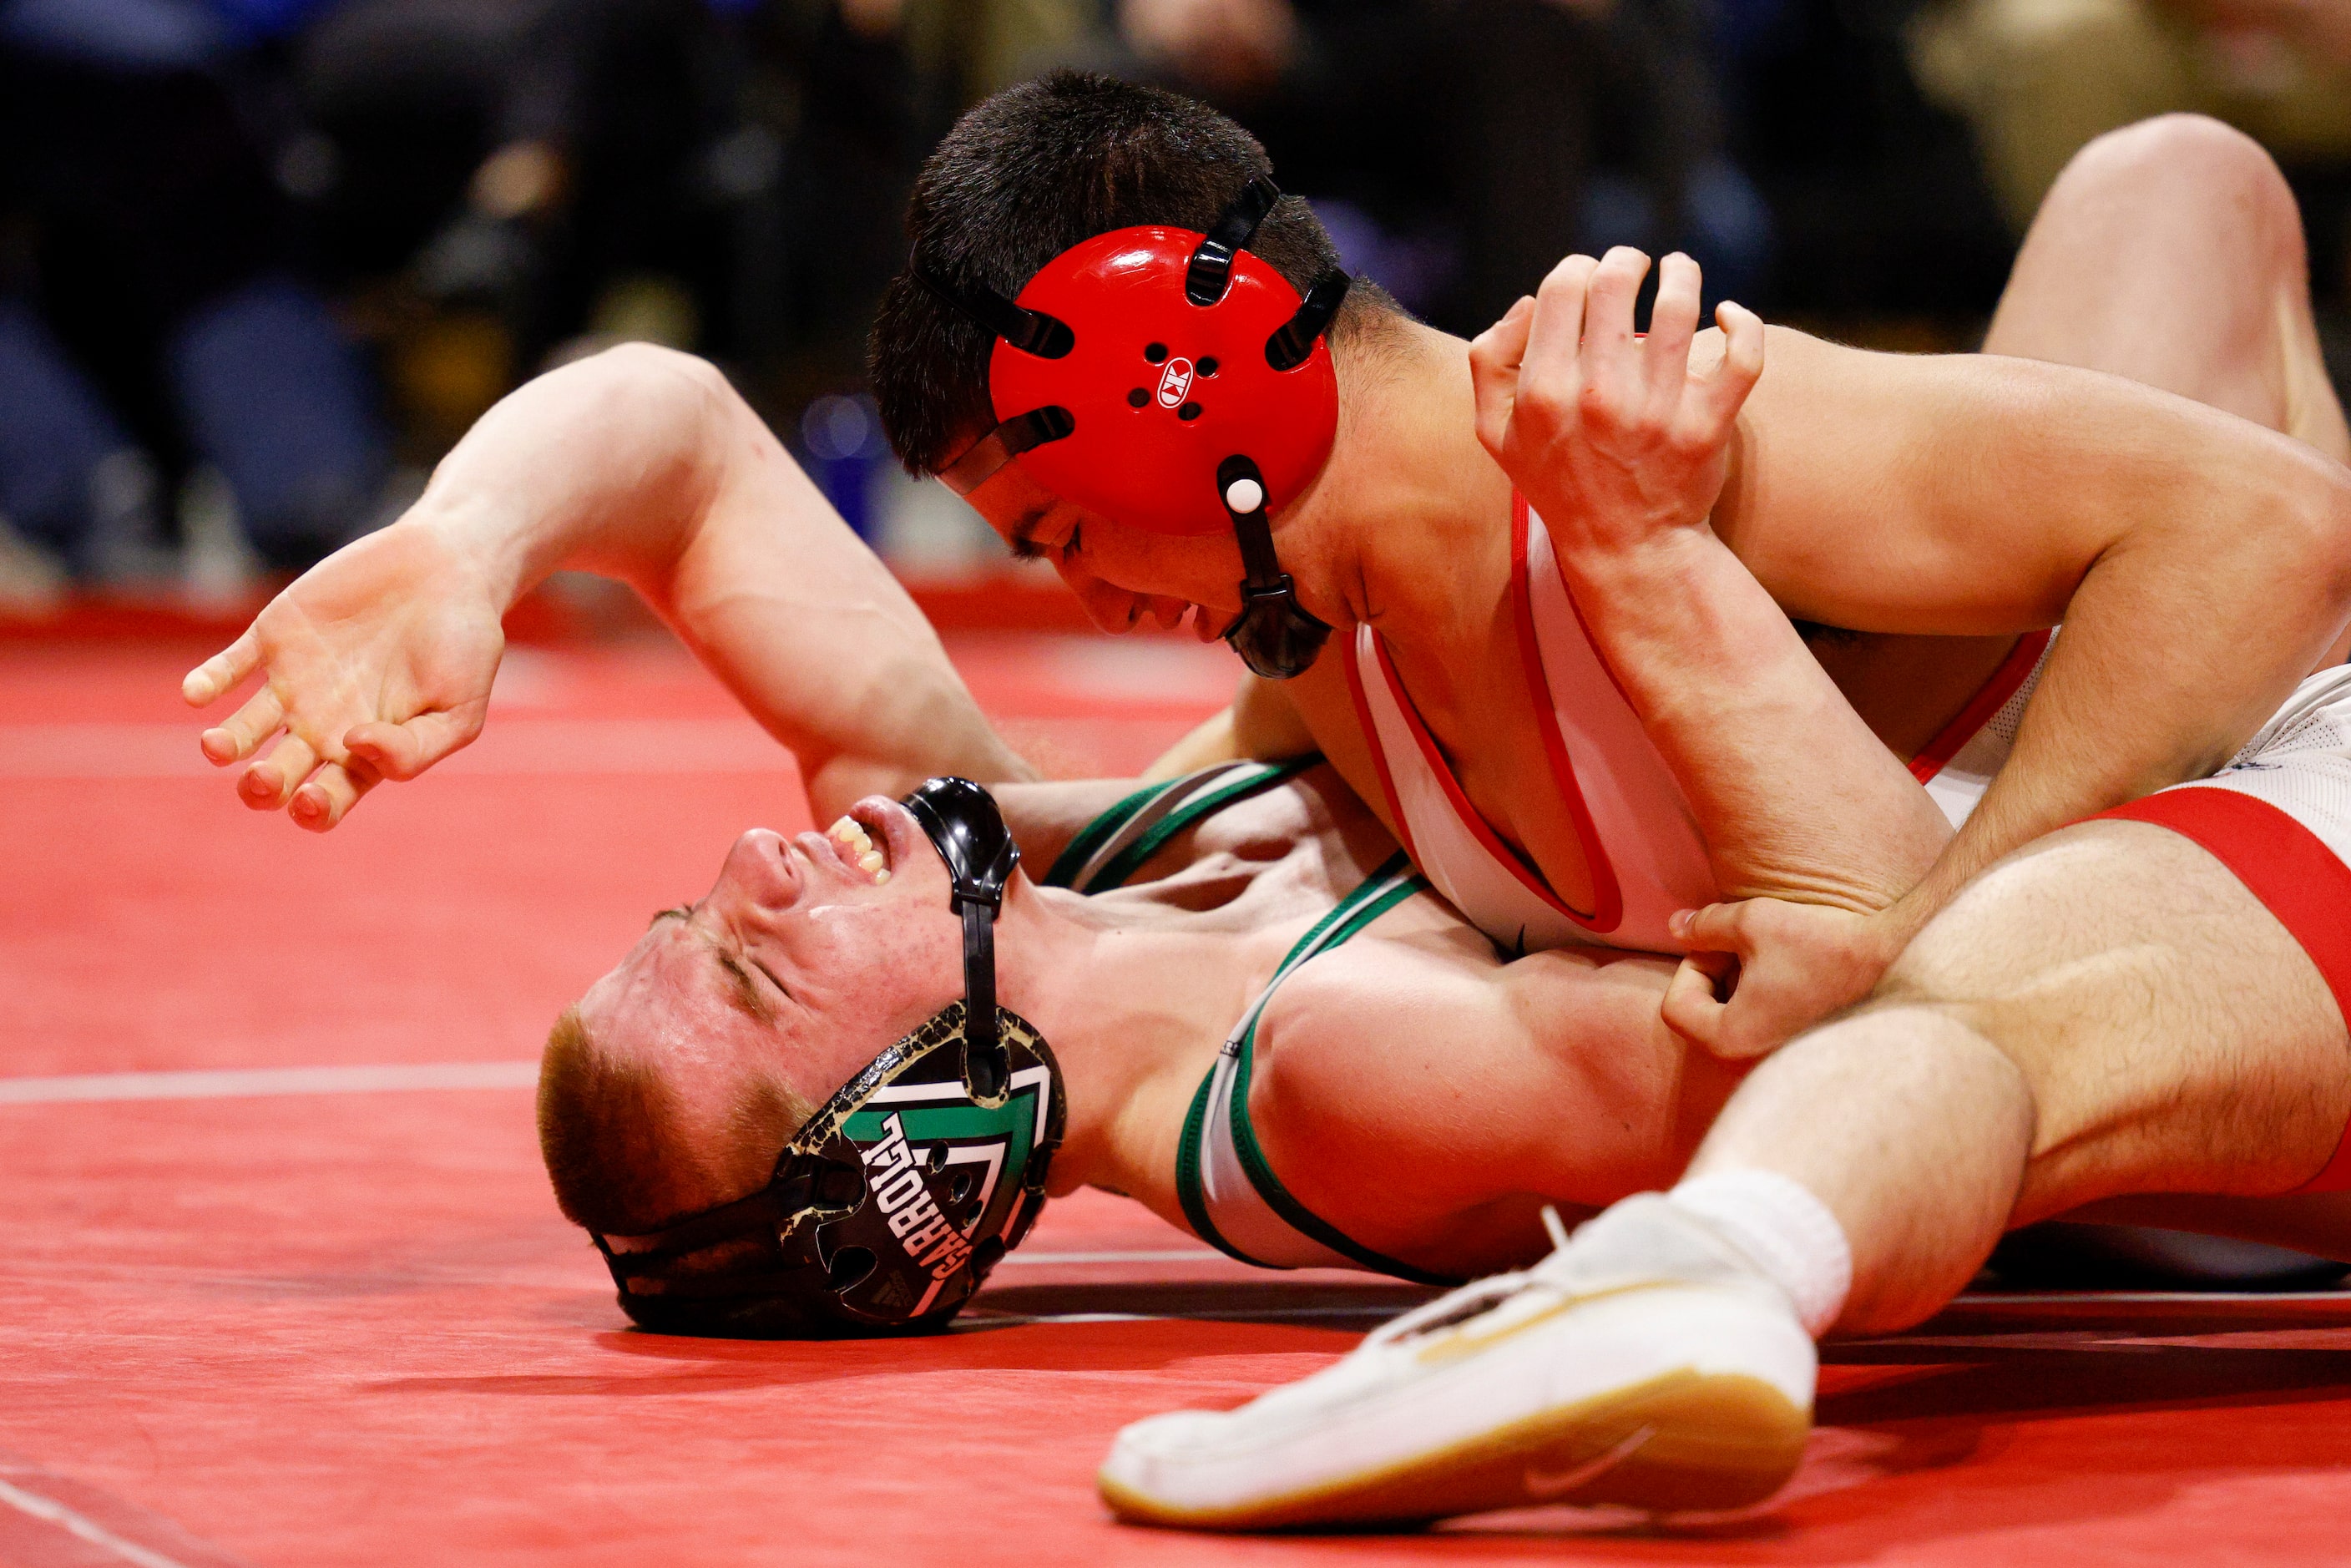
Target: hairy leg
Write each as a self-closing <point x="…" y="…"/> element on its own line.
<point x="2171" y="252"/>
<point x="2110" y="1011"/>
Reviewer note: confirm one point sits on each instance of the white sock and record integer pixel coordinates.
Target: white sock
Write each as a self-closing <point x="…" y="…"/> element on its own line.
<point x="1790" y="1236"/>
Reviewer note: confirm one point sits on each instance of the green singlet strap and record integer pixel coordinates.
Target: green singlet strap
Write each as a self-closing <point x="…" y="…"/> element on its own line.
<point x="1098" y="833"/>
<point x="1380" y="892"/>
<point x="1245" y="781"/>
<point x="1390" y="886"/>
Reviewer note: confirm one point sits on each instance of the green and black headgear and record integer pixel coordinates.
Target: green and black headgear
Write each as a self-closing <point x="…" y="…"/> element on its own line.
<point x="891" y="1205"/>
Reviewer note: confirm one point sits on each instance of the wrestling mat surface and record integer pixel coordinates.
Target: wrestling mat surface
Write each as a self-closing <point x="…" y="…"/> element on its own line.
<point x="284" y="1285"/>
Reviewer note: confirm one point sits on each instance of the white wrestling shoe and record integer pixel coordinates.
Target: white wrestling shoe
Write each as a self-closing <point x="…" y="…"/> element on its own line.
<point x="1646" y="1364"/>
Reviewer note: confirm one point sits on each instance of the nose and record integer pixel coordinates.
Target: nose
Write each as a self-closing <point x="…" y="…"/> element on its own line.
<point x="756" y="872"/>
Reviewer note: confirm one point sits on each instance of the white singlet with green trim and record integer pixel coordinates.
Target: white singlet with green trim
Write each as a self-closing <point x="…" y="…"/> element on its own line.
<point x="1229" y="1192"/>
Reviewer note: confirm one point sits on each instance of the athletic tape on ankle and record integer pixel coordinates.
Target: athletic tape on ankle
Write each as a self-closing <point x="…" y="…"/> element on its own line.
<point x="1789" y="1234"/>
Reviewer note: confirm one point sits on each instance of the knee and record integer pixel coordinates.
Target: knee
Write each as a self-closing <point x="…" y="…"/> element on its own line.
<point x="2186" y="162"/>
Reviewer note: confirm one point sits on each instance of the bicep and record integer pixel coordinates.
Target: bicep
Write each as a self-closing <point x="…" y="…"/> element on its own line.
<point x="1961" y="495"/>
<point x="1401" y="1079"/>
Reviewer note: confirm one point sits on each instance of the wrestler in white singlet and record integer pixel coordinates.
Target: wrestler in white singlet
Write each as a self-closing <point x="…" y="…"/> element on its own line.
<point x="1639" y="836"/>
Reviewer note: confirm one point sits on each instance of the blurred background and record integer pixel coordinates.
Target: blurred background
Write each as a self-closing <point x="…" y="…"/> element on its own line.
<point x="262" y="261"/>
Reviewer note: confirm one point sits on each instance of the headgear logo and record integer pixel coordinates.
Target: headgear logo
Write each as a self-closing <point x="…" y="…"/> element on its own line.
<point x="1175" y="382"/>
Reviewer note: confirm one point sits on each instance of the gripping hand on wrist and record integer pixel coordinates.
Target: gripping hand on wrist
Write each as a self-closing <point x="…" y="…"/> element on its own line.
<point x="1784" y="966"/>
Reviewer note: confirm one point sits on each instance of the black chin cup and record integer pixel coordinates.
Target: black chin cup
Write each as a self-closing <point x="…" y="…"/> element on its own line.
<point x="1276" y="636"/>
<point x="968" y="831"/>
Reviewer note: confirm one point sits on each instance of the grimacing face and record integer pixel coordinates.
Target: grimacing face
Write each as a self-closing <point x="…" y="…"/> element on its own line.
<point x="1124" y="576"/>
<point x="808" y="958"/>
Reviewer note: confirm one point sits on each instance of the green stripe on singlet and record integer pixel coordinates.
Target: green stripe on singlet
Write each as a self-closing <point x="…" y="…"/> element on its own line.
<point x="1385" y="888"/>
<point x="1098" y="833"/>
<point x="1112" y="822"/>
<point x="1130" y="860"/>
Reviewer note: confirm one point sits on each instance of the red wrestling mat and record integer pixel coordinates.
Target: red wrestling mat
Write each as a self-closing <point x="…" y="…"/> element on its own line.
<point x="285" y="1287"/>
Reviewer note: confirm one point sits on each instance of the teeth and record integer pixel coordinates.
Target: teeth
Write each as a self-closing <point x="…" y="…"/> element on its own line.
<point x="859" y="844"/>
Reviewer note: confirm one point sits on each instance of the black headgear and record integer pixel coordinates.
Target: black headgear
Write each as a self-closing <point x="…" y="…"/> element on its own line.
<point x="891" y="1205"/>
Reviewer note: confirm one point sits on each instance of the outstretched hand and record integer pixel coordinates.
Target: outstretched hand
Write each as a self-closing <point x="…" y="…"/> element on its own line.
<point x="1786" y="967"/>
<point x="1612" y="438"/>
<point x="377" y="662"/>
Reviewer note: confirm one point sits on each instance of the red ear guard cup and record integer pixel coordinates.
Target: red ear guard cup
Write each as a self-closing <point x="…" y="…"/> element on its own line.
<point x="1163" y="390"/>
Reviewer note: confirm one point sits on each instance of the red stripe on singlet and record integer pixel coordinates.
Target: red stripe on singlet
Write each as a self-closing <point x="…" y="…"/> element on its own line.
<point x="2011" y="674"/>
<point x="2292" y="871"/>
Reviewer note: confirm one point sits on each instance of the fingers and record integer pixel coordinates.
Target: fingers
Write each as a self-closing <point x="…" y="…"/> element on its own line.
<point x="1673" y="322"/>
<point x="330" y="794"/>
<point x="1494" y="358"/>
<point x="1717" y="397"/>
<point x="251" y="724"/>
<point x="266" y="784"/>
<point x="1693" y="1007"/>
<point x="1612" y="365"/>
<point x="1717" y="928"/>
<point x="223" y="673"/>
<point x="401" y="751"/>
<point x="1554" y="348"/>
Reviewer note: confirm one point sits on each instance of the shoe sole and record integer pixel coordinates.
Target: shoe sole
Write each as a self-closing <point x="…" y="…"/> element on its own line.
<point x="1685" y="1442"/>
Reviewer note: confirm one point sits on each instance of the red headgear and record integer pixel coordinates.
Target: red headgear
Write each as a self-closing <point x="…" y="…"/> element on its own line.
<point x="1169" y="380"/>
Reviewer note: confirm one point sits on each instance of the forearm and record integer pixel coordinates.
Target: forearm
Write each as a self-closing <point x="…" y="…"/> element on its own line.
<point x="1796" y="797"/>
<point x="2201" y="565"/>
<point x="2240" y="609"/>
<point x="644" y="465"/>
<point x="607" y="465"/>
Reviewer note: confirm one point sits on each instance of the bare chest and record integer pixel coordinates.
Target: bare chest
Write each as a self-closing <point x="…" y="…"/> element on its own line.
<point x="1480" y="709"/>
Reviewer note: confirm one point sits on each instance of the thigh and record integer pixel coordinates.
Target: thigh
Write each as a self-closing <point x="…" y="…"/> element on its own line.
<point x="2174" y="1035"/>
<point x="2171" y="252"/>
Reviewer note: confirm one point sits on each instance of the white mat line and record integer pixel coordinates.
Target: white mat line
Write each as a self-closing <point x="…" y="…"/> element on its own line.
<point x="51" y="1511"/>
<point x="237" y="1083"/>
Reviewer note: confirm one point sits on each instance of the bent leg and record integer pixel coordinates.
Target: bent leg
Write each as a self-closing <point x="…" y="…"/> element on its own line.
<point x="2111" y="1011"/>
<point x="2171" y="252"/>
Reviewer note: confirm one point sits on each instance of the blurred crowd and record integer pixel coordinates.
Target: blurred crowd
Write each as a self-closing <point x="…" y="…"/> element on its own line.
<point x="261" y="261"/>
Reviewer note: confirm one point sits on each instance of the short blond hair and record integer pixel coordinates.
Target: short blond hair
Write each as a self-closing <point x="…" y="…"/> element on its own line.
<point x="619" y="1151"/>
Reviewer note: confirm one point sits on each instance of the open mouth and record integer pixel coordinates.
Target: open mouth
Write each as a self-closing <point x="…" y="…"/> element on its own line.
<point x="864" y="841"/>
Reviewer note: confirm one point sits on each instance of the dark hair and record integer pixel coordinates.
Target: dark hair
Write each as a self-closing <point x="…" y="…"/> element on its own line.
<point x="1024" y="176"/>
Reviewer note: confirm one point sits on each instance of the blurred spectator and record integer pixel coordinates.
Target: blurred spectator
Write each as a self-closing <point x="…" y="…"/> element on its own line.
<point x="1509" y="132"/>
<point x="506" y="180"/>
<point x="1885" y="231"/>
<point x="150" y="317"/>
<point x="2038" y="78"/>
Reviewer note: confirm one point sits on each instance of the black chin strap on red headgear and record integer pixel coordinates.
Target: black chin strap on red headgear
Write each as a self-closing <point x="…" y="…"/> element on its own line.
<point x="1240" y="420"/>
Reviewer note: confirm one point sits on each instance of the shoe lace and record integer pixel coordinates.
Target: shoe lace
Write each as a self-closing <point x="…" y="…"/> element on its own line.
<point x="1479" y="1296"/>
